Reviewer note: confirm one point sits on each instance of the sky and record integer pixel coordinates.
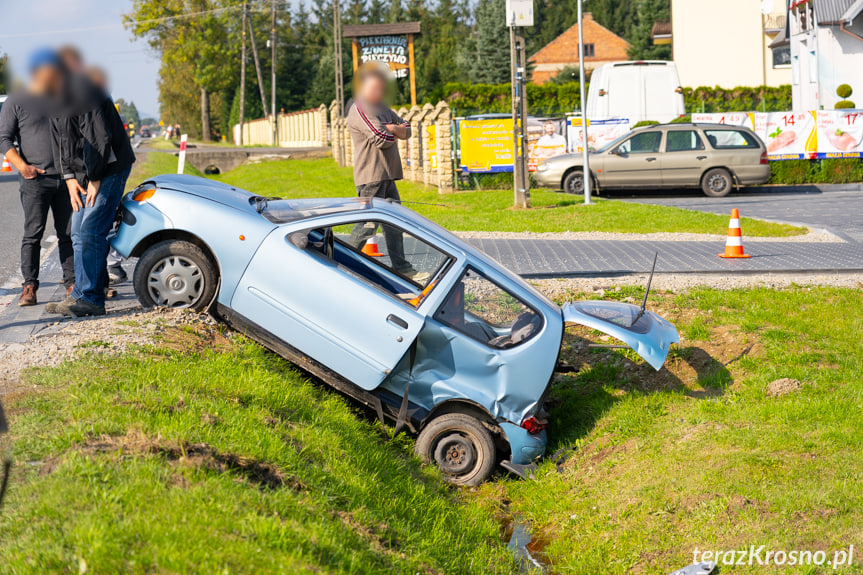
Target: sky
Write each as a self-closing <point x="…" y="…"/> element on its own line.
<point x="96" y="28"/>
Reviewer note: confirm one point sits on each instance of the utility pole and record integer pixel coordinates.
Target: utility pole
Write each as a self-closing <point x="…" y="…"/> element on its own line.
<point x="243" y="75"/>
<point x="257" y="66"/>
<point x="337" y="49"/>
<point x="585" y="153"/>
<point x="520" y="181"/>
<point x="273" y="79"/>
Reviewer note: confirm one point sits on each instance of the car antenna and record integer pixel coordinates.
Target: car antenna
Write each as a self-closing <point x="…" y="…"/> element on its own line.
<point x="420" y="203"/>
<point x="646" y="292"/>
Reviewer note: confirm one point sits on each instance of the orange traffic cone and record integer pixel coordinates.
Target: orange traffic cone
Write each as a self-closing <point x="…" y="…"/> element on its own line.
<point x="734" y="243"/>
<point x="371" y="247"/>
<point x="7" y="167"/>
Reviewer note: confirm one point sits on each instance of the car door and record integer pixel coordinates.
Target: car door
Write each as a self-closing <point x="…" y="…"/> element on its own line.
<point x="635" y="162"/>
<point x="341" y="303"/>
<point x="684" y="159"/>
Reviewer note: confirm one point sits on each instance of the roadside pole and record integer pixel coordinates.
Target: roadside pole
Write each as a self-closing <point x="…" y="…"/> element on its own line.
<point x="337" y="50"/>
<point x="243" y="76"/>
<point x="181" y="163"/>
<point x="273" y="79"/>
<point x="585" y="153"/>
<point x="519" y="13"/>
<point x="258" y="70"/>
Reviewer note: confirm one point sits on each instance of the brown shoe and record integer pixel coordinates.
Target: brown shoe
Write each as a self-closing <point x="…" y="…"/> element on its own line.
<point x="28" y="296"/>
<point x="69" y="290"/>
<point x="110" y="293"/>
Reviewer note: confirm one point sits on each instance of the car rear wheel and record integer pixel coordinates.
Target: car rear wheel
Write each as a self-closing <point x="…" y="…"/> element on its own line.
<point x="460" y="445"/>
<point x="176" y="274"/>
<point x="573" y="182"/>
<point x="716" y="183"/>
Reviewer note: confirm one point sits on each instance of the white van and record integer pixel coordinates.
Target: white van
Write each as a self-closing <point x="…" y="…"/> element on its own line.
<point x="642" y="90"/>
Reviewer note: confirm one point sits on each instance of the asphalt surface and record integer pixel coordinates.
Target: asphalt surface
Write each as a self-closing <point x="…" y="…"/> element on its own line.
<point x="11" y="226"/>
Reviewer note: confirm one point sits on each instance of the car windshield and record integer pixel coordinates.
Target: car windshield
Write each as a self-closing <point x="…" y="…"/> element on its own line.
<point x="284" y="211"/>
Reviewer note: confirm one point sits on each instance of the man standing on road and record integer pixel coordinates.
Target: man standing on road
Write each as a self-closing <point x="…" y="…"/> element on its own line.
<point x="96" y="157"/>
<point x="26" y="118"/>
<point x="374" y="129"/>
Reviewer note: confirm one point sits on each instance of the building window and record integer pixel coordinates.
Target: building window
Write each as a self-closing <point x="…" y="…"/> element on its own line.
<point x="589" y="51"/>
<point x="782" y="56"/>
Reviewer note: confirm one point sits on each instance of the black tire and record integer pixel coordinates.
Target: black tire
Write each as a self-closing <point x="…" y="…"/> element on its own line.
<point x="461" y="446"/>
<point x="717" y="183"/>
<point x="573" y="182"/>
<point x="176" y="274"/>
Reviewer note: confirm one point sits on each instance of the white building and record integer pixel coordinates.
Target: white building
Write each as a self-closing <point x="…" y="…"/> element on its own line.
<point x="825" y="41"/>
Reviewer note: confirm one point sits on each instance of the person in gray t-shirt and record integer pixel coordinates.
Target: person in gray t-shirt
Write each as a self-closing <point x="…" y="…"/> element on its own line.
<point x="25" y="120"/>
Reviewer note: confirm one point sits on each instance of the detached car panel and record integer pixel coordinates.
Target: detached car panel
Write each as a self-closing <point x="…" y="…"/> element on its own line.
<point x="380" y="303"/>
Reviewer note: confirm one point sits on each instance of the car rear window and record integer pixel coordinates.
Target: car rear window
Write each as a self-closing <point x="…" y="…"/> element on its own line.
<point x="730" y="139"/>
<point x="683" y="141"/>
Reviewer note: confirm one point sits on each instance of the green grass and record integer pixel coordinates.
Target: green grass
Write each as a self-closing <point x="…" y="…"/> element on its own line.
<point x="489" y="210"/>
<point x="283" y="476"/>
<point x="227" y="461"/>
<point x="699" y="456"/>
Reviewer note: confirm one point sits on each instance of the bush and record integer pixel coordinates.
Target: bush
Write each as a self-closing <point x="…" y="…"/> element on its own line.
<point x="645" y="123"/>
<point x="682" y="119"/>
<point x="740" y="99"/>
<point x="844" y="91"/>
<point x="547" y="99"/>
<point x="830" y="171"/>
<point x="845" y="104"/>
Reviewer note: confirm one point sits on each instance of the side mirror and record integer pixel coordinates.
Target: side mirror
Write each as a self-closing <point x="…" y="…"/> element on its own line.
<point x="299" y="239"/>
<point x="615" y="151"/>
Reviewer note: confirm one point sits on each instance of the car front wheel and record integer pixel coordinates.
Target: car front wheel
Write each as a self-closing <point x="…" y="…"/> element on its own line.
<point x="573" y="183"/>
<point x="176" y="274"/>
<point x="716" y="183"/>
<point x="460" y="445"/>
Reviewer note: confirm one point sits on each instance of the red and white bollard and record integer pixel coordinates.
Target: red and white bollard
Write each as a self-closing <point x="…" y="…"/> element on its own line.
<point x="181" y="165"/>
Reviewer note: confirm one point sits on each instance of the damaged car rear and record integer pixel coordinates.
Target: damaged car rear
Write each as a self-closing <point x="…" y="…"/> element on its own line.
<point x="378" y="302"/>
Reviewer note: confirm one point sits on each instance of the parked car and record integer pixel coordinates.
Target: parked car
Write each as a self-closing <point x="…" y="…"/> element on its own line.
<point x="640" y="91"/>
<point x="443" y="339"/>
<point x="714" y="157"/>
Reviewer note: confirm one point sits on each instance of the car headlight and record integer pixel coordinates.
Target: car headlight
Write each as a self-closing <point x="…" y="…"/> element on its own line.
<point x="542" y="167"/>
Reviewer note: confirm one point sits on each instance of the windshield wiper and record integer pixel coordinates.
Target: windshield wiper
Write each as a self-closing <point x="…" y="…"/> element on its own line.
<point x="260" y="203"/>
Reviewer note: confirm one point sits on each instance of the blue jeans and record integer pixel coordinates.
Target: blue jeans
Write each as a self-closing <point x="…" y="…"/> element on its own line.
<point x="90" y="228"/>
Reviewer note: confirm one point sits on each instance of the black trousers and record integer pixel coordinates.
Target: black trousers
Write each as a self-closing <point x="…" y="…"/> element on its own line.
<point x="38" y="196"/>
<point x="392" y="236"/>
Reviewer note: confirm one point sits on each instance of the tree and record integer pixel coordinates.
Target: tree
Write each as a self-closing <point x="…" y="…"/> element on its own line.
<point x="642" y="46"/>
<point x="196" y="35"/>
<point x="485" y="53"/>
<point x="566" y="75"/>
<point x="129" y="111"/>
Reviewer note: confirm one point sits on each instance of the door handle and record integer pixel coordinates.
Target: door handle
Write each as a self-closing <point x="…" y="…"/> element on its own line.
<point x="651" y="159"/>
<point x="397" y="321"/>
<point x="700" y="157"/>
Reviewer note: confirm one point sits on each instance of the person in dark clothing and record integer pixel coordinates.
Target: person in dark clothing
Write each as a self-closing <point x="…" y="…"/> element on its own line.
<point x="26" y="119"/>
<point x="96" y="157"/>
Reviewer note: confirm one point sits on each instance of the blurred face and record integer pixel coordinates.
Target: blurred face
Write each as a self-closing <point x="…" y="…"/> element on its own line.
<point x="373" y="89"/>
<point x="549" y="128"/>
<point x="45" y="79"/>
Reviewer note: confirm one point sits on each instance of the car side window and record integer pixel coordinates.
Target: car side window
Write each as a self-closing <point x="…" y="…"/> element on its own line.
<point x="641" y="143"/>
<point x="683" y="141"/>
<point x="384" y="255"/>
<point x="730" y="139"/>
<point x="488" y="313"/>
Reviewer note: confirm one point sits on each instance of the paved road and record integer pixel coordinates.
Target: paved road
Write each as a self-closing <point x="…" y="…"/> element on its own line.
<point x="836" y="208"/>
<point x="11" y="225"/>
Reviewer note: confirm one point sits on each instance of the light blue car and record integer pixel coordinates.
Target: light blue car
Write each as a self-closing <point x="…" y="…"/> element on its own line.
<point x="378" y="302"/>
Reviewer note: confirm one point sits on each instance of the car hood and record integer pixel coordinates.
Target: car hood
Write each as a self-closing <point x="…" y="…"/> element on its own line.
<point x="205" y="188"/>
<point x="644" y="331"/>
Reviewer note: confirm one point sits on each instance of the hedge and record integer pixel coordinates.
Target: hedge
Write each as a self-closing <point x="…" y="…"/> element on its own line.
<point x="830" y="171"/>
<point x="558" y="99"/>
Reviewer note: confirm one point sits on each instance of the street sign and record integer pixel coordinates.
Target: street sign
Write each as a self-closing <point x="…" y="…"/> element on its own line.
<point x="519" y="12"/>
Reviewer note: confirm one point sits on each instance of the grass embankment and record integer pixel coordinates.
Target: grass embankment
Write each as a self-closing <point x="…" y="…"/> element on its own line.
<point x="483" y="210"/>
<point x="228" y="460"/>
<point x="700" y="455"/>
<point x="224" y="461"/>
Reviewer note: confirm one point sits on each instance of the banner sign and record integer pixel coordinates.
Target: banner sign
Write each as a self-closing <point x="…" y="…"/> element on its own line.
<point x="431" y="131"/>
<point x="545" y="139"/>
<point x="599" y="133"/>
<point x="392" y="50"/>
<point x="730" y="119"/>
<point x="485" y="145"/>
<point x="788" y="135"/>
<point x="840" y="133"/>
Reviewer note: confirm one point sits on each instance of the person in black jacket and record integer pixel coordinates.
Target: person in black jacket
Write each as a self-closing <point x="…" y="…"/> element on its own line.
<point x="96" y="157"/>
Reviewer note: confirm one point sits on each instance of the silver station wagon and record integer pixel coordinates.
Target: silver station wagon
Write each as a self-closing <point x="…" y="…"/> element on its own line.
<point x="713" y="157"/>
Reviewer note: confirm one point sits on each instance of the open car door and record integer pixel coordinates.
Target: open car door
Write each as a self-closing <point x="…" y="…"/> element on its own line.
<point x="642" y="330"/>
